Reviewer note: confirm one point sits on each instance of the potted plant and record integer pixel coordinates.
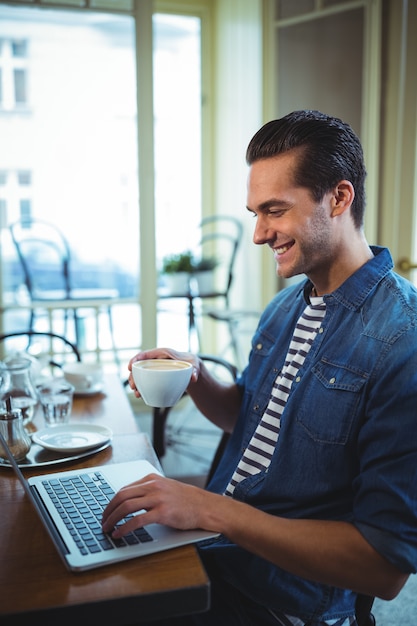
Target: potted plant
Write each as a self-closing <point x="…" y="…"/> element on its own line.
<point x="177" y="269"/>
<point x="204" y="274"/>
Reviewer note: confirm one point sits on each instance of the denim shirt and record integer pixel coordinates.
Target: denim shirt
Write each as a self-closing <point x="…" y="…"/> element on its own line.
<point x="347" y="448"/>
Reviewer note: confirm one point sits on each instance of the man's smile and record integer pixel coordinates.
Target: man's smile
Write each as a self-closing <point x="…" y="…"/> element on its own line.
<point x="283" y="248"/>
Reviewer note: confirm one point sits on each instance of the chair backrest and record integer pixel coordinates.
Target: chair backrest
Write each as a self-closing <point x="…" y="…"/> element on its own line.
<point x="44" y="255"/>
<point x="220" y="238"/>
<point x="221" y="368"/>
<point x="48" y="348"/>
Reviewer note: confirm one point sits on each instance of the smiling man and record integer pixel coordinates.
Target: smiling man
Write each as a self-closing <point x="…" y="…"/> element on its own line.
<point x="315" y="497"/>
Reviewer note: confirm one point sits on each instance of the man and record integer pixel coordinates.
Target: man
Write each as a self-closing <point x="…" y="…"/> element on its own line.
<point x="316" y="495"/>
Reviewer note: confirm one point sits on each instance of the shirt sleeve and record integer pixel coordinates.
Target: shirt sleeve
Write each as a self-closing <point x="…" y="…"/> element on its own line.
<point x="385" y="490"/>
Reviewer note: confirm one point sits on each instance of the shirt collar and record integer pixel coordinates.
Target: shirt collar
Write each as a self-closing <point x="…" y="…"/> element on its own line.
<point x="354" y="291"/>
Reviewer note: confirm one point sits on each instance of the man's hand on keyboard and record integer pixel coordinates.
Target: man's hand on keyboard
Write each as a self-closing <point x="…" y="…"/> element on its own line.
<point x="164" y="501"/>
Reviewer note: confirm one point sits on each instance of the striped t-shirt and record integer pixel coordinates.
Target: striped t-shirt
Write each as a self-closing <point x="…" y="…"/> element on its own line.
<point x="257" y="456"/>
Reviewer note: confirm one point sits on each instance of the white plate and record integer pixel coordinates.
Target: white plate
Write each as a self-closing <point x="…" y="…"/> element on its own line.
<point x="72" y="438"/>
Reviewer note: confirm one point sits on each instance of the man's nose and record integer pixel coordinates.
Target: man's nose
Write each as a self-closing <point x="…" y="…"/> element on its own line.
<point x="262" y="233"/>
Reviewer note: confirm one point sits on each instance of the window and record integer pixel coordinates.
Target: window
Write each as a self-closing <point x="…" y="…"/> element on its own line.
<point x="13" y="73"/>
<point x="72" y="159"/>
<point x="20" y="91"/>
<point x="75" y="150"/>
<point x="24" y="177"/>
<point x="19" y="48"/>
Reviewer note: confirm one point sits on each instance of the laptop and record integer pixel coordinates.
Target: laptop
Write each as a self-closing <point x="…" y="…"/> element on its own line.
<point x="70" y="505"/>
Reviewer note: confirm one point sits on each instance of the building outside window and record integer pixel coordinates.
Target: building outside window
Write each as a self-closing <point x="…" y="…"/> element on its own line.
<point x="68" y="121"/>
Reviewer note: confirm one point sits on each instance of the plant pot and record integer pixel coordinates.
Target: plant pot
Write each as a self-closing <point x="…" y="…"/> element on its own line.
<point x="205" y="282"/>
<point x="178" y="283"/>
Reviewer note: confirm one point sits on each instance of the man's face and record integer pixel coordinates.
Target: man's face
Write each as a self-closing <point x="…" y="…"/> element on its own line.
<point x="296" y="228"/>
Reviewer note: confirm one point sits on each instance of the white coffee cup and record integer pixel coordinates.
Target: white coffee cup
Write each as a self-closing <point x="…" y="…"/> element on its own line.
<point x="85" y="377"/>
<point x="161" y="382"/>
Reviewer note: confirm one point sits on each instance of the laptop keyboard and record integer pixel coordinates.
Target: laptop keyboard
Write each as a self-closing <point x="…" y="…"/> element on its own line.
<point x="80" y="501"/>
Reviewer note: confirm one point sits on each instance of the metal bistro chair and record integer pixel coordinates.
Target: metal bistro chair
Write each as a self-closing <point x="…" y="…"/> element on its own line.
<point x="44" y="346"/>
<point x="179" y="436"/>
<point x="363" y="609"/>
<point x="45" y="258"/>
<point x="218" y="237"/>
<point x="221" y="236"/>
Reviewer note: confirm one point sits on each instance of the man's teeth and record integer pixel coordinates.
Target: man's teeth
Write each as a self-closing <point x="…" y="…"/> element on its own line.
<point x="283" y="249"/>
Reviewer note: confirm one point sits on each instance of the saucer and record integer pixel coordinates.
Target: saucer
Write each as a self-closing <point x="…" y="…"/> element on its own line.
<point x="92" y="391"/>
<point x="72" y="438"/>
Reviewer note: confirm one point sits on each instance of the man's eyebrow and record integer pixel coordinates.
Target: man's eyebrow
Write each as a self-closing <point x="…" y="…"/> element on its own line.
<point x="269" y="204"/>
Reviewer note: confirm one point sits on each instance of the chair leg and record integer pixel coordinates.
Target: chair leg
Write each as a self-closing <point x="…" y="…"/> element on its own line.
<point x="113" y="343"/>
<point x="160" y="417"/>
<point x="218" y="455"/>
<point x="363" y="608"/>
<point x="79" y="335"/>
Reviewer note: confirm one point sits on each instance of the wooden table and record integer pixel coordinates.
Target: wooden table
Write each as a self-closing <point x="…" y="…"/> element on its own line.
<point x="35" y="587"/>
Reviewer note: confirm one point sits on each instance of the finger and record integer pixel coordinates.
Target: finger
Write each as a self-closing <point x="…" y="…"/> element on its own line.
<point x="111" y="518"/>
<point x="124" y="494"/>
<point x="132" y="385"/>
<point x="140" y="520"/>
<point x="137" y="357"/>
<point x="127" y="500"/>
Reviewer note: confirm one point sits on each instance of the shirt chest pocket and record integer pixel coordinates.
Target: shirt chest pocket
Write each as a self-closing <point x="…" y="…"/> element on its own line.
<point x="331" y="399"/>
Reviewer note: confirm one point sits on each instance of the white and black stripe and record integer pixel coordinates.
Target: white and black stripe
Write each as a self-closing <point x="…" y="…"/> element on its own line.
<point x="261" y="447"/>
<point x="287" y="620"/>
<point x="258" y="454"/>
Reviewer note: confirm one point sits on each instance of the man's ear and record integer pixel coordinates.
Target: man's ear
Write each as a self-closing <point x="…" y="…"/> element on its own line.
<point x="342" y="198"/>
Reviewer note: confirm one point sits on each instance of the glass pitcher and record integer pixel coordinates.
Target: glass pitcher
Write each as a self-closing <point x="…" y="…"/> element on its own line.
<point x="18" y="386"/>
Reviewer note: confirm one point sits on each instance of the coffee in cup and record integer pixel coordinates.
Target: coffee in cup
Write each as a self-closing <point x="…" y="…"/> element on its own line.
<point x="161" y="382"/>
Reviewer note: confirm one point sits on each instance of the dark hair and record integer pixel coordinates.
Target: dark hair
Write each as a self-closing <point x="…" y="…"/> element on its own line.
<point x="329" y="152"/>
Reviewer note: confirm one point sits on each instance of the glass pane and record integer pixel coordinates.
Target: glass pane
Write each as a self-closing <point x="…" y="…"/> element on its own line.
<point x="177" y="102"/>
<point x="19" y="48"/>
<point x="24" y="177"/>
<point x="75" y="143"/>
<point x="20" y="86"/>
